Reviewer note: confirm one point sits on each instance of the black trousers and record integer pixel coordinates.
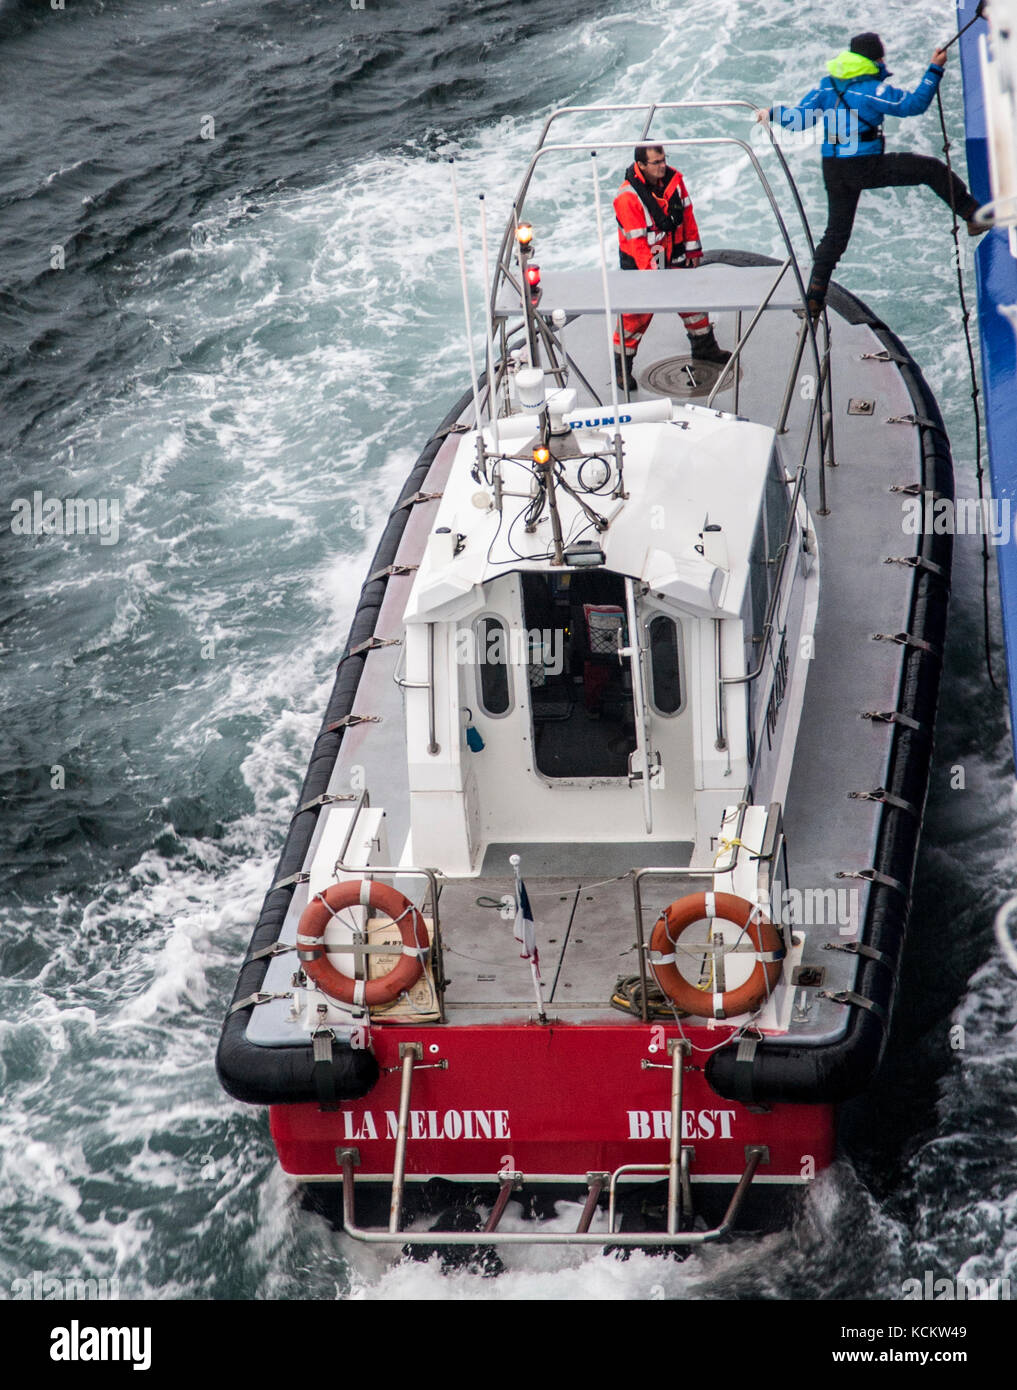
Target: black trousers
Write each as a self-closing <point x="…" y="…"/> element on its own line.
<point x="846" y="179"/>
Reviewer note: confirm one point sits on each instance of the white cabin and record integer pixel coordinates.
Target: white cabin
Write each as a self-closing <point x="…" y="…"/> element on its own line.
<point x="536" y="662"/>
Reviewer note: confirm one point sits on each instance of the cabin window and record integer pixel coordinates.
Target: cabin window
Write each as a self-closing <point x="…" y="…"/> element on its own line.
<point x="494" y="690"/>
<point x="666" y="695"/>
<point x="778" y="507"/>
<point x="759" y="588"/>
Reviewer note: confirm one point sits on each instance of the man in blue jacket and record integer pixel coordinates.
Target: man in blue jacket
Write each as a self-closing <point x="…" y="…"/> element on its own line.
<point x="851" y="104"/>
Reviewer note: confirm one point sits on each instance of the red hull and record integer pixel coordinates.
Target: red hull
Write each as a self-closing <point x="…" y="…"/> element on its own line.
<point x="552" y="1102"/>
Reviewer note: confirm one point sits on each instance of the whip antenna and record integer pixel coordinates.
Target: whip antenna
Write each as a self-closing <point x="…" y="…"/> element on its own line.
<point x="607" y="299"/>
<point x="619" y="490"/>
<point x="466" y="297"/>
<point x="492" y="400"/>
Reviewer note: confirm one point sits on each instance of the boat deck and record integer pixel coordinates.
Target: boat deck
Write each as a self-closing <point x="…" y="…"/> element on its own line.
<point x="585" y="917"/>
<point x="586" y="937"/>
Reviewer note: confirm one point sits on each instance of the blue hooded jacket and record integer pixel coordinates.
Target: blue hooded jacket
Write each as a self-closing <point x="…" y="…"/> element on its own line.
<point x="852" y="102"/>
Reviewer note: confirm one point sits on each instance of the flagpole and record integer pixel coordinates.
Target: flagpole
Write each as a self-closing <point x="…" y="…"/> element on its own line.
<point x="534" y="970"/>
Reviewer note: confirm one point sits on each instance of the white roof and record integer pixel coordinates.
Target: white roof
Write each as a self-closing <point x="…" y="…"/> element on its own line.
<point x="700" y="466"/>
<point x="708" y="288"/>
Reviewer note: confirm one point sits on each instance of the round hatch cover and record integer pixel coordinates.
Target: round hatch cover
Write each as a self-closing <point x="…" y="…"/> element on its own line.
<point x="685" y="379"/>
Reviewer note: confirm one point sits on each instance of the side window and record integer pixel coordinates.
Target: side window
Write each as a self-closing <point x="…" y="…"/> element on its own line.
<point x="778" y="499"/>
<point x="494" y="690"/>
<point x="666" y="684"/>
<point x="759" y="587"/>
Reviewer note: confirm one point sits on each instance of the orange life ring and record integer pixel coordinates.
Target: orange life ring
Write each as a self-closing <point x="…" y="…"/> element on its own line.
<point x="699" y="907"/>
<point x="361" y="892"/>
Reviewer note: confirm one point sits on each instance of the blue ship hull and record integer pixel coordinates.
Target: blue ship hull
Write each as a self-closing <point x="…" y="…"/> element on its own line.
<point x="996" y="271"/>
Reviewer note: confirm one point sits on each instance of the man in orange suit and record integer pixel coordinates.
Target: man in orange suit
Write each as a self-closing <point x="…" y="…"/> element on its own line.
<point x="657" y="231"/>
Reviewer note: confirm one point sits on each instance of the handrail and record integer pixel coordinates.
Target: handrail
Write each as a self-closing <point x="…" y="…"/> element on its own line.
<point x="411" y="871"/>
<point x="755" y="1154"/>
<point x="363" y="800"/>
<point x="593" y="146"/>
<point x="503" y="269"/>
<point x="408" y="1053"/>
<point x="655" y="106"/>
<point x="720" y="743"/>
<point x="671" y="871"/>
<point x="732" y="362"/>
<point x="652" y="109"/>
<point x="783" y="550"/>
<point x="635" y="654"/>
<point x="433" y="747"/>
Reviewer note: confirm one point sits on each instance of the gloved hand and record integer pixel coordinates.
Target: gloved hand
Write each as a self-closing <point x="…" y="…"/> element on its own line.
<point x="693" y="259"/>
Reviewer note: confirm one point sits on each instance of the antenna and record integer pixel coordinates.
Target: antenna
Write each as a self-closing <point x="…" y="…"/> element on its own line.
<point x="466" y="301"/>
<point x="492" y="400"/>
<point x="619" y="490"/>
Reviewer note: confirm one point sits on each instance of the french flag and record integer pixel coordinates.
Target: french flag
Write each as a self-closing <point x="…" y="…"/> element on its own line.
<point x="524" y="931"/>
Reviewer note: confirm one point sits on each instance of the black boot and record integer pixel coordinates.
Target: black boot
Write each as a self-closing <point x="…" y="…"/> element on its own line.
<point x="705" y="348"/>
<point x="623" y="371"/>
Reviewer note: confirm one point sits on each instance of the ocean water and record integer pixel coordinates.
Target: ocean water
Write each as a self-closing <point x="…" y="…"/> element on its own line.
<point x="230" y="316"/>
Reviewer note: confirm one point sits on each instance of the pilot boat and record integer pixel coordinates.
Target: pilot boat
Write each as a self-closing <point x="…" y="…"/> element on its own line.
<point x="599" y="880"/>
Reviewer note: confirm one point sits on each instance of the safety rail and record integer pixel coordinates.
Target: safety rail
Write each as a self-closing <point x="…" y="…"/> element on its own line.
<point x="363" y="802"/>
<point x="677" y="1168"/>
<point x="755" y="1155"/>
<point x="742" y="338"/>
<point x="820" y="418"/>
<point x="504" y="271"/>
<point x="769" y="857"/>
<point x="433" y="747"/>
<point x="651" y="110"/>
<point x="409" y="871"/>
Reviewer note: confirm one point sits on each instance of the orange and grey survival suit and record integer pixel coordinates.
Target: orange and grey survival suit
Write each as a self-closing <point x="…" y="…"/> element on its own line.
<point x="657" y="231"/>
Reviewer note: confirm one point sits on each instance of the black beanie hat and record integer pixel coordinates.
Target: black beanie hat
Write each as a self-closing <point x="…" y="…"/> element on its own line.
<point x="868" y="46"/>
